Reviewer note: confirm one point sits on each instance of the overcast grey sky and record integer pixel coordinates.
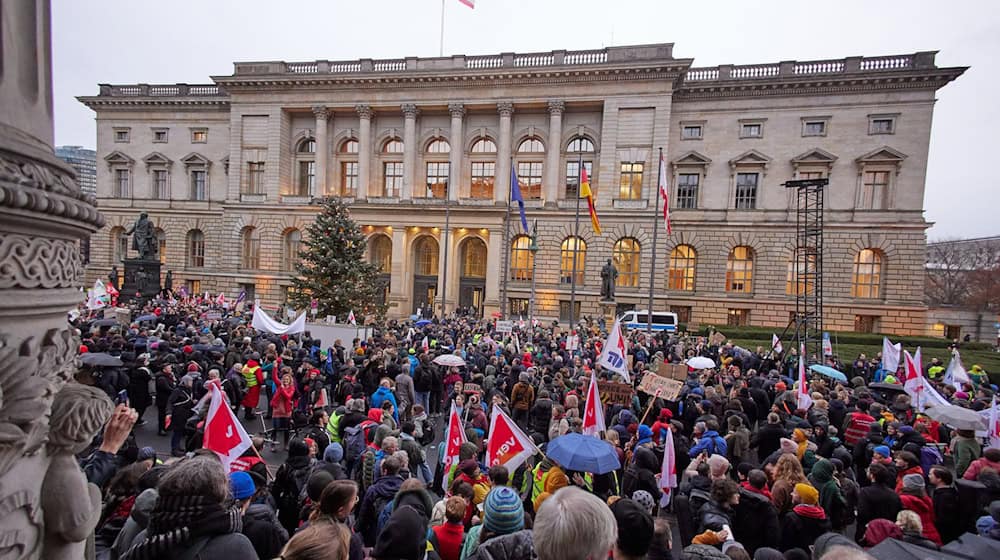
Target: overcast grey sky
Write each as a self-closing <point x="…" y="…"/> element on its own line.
<point x="129" y="41"/>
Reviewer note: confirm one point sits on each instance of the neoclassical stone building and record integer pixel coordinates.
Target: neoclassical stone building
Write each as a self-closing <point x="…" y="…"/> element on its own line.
<point x="423" y="149"/>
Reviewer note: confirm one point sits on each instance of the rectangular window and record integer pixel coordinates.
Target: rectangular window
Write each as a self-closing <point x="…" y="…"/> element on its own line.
<point x="193" y="287"/>
<point x="122" y="135"/>
<point x="881" y="125"/>
<point x="348" y="178"/>
<point x="159" y="135"/>
<point x="738" y="317"/>
<point x="160" y="184"/>
<point x="564" y="310"/>
<point x="250" y="291"/>
<point x="122" y="183"/>
<point x="483" y="173"/>
<point x="691" y="132"/>
<point x="630" y="186"/>
<point x="746" y="191"/>
<point x="392" y="179"/>
<point x="436" y="185"/>
<point x="866" y="323"/>
<point x="199" y="189"/>
<point x="199" y="135"/>
<point x="874" y="191"/>
<point x="751" y="130"/>
<point x="573" y="177"/>
<point x="519" y="306"/>
<point x="683" y="313"/>
<point x="255" y="179"/>
<point x="687" y="190"/>
<point x="814" y="128"/>
<point x="529" y="177"/>
<point x="307" y="178"/>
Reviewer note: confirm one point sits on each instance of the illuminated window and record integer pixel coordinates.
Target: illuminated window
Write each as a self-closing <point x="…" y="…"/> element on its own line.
<point x="521" y="259"/>
<point x="474" y="259"/>
<point x="805" y="282"/>
<point x="381" y="253"/>
<point x="625" y="254"/>
<point x="681" y="271"/>
<point x="867" y="279"/>
<point x="427" y="257"/>
<point x="572" y="246"/>
<point x="292" y="247"/>
<point x="739" y="270"/>
<point x="630" y="185"/>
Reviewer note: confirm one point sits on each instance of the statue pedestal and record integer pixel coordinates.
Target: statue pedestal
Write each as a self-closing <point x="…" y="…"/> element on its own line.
<point x="141" y="277"/>
<point x="608" y="309"/>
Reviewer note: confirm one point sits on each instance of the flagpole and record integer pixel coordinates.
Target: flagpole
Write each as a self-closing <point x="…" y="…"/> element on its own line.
<point x="652" y="265"/>
<point x="447" y="242"/>
<point x="506" y="245"/>
<point x="441" y="43"/>
<point x="576" y="242"/>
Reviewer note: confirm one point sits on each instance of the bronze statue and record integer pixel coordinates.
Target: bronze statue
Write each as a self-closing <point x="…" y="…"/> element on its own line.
<point x="168" y="282"/>
<point x="113" y="277"/>
<point x="609" y="274"/>
<point x="144" y="238"/>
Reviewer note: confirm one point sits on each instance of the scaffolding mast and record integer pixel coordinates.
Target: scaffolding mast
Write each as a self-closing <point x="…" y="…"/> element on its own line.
<point x="808" y="318"/>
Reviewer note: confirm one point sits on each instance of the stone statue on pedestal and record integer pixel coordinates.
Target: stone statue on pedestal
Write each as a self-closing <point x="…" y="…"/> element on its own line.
<point x="144" y="238"/>
<point x="609" y="274"/>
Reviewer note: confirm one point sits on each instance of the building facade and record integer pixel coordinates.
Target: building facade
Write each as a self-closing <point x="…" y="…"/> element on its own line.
<point x="84" y="162"/>
<point x="423" y="149"/>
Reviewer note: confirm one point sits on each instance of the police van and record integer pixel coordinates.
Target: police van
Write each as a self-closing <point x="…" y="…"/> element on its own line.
<point x="661" y="320"/>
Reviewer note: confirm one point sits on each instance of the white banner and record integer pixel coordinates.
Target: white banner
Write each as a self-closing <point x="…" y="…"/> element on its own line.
<point x="614" y="355"/>
<point x="891" y="354"/>
<point x="263" y="322"/>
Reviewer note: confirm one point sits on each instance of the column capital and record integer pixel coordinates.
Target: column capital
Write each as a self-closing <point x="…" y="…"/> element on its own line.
<point x="505" y="108"/>
<point x="556" y="107"/>
<point x="456" y="109"/>
<point x="321" y="112"/>
<point x="364" y="111"/>
<point x="410" y="110"/>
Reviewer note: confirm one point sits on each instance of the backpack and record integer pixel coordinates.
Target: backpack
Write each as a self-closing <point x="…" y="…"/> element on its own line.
<point x="427" y="437"/>
<point x="355" y="441"/>
<point x="289" y="498"/>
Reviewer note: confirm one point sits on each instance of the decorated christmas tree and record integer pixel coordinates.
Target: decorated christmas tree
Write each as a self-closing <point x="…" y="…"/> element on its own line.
<point x="332" y="267"/>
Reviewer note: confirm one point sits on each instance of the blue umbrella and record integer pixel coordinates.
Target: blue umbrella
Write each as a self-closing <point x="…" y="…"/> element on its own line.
<point x="149" y="317"/>
<point x="577" y="452"/>
<point x="829" y="372"/>
<point x="422" y="322"/>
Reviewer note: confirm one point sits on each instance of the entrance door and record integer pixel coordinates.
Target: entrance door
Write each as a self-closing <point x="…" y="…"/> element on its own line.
<point x="471" y="297"/>
<point x="424" y="294"/>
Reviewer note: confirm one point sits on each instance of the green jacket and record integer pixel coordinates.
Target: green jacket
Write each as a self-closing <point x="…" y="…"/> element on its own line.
<point x="965" y="450"/>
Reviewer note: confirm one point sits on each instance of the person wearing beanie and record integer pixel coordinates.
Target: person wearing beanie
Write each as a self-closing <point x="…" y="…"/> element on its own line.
<point x="645" y="500"/>
<point x="879" y="530"/>
<point x="806" y="522"/>
<point x="635" y="530"/>
<point x="260" y="524"/>
<point x="469" y="472"/>
<point x="738" y="440"/>
<point x="913" y="496"/>
<point x="404" y="536"/>
<point x="503" y="514"/>
<point x="644" y="435"/>
<point x="662" y="426"/>
<point x="906" y="464"/>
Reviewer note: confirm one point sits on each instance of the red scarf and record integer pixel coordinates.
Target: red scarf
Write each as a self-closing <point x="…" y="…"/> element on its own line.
<point x="750" y="488"/>
<point x="812" y="512"/>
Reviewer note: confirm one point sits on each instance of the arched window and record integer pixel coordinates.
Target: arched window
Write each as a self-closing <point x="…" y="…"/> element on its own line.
<point x="349" y="146"/>
<point x="804" y="282"/>
<point x="626" y="254"/>
<point x="580" y="147"/>
<point x="348" y="167"/>
<point x="572" y="246"/>
<point x="426" y="253"/>
<point x="530" y="167"/>
<point x="739" y="270"/>
<point x="474" y="258"/>
<point x="580" y="144"/>
<point x="522" y="260"/>
<point x="307" y="146"/>
<point x="392" y="146"/>
<point x="119" y="244"/>
<point x="161" y="245"/>
<point x="195" y="257"/>
<point x="867" y="279"/>
<point x="250" y="244"/>
<point x="484" y="146"/>
<point x="292" y="245"/>
<point x="380" y="253"/>
<point x="680" y="274"/>
<point x="305" y="165"/>
<point x="438" y="146"/>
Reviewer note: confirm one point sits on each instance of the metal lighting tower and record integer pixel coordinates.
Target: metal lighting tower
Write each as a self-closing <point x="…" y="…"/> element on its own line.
<point x="808" y="319"/>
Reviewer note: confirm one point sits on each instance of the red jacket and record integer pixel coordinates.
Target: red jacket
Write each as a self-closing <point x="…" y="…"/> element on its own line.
<point x="857" y="427"/>
<point x="924" y="507"/>
<point x="448" y="540"/>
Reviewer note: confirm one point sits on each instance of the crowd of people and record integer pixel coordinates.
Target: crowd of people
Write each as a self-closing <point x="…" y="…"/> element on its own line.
<point x="758" y="476"/>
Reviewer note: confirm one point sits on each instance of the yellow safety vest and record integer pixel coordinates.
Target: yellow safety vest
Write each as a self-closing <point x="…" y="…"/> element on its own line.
<point x="538" y="478"/>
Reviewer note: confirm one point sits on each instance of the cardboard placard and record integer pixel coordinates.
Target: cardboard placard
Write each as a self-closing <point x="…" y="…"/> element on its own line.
<point x="122" y="315"/>
<point x="505" y="327"/>
<point x="673" y="371"/>
<point x="613" y="392"/>
<point x="469" y="388"/>
<point x="717" y="339"/>
<point x="572" y="342"/>
<point x="213" y="315"/>
<point x="668" y="388"/>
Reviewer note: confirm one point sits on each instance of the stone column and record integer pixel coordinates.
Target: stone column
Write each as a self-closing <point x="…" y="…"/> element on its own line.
<point x="322" y="149"/>
<point x="400" y="283"/>
<point x="410" y="113"/>
<point x="501" y="183"/>
<point x="550" y="184"/>
<point x="494" y="271"/>
<point x="365" y="115"/>
<point x="44" y="217"/>
<point x="457" y="141"/>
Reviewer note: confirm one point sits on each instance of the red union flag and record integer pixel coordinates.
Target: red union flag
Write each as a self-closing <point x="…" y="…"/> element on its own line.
<point x="223" y="432"/>
<point x="456" y="437"/>
<point x="593" y="412"/>
<point x="508" y="445"/>
<point x="804" y="399"/>
<point x="668" y="471"/>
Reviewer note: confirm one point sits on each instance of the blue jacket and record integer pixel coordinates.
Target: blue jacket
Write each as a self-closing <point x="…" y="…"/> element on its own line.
<point x="385" y="394"/>
<point x="414" y="362"/>
<point x="711" y="442"/>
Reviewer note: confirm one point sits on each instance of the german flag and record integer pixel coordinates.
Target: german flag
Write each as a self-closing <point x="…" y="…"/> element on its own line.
<point x="585" y="192"/>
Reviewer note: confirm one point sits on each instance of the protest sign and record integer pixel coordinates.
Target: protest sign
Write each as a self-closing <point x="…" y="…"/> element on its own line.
<point x="572" y="342"/>
<point x="673" y="371"/>
<point x="506" y="327"/>
<point x="717" y="339"/>
<point x="613" y="392"/>
<point x="668" y="388"/>
<point x="468" y="388"/>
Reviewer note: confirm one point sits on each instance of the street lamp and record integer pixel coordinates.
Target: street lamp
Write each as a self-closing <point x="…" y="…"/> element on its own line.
<point x="534" y="266"/>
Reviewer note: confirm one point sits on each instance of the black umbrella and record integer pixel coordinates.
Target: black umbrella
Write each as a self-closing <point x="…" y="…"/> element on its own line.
<point x="889" y="387"/>
<point x="104" y="322"/>
<point x="974" y="546"/>
<point x="100" y="359"/>
<point x="891" y="549"/>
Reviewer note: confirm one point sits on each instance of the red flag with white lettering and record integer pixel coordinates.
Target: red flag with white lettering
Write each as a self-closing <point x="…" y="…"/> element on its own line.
<point x="223" y="432"/>
<point x="507" y="445"/>
<point x="593" y="411"/>
<point x="456" y="437"/>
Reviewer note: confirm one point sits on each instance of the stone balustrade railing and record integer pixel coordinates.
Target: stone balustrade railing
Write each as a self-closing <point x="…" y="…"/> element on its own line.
<point x="161" y="90"/>
<point x="812" y="67"/>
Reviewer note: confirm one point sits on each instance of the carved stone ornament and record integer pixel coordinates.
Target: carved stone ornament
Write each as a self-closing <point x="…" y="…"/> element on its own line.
<point x="410" y="110"/>
<point x="505" y="108"/>
<point x="556" y="107"/>
<point x="456" y="110"/>
<point x="321" y="112"/>
<point x="364" y="111"/>
<point x="37" y="262"/>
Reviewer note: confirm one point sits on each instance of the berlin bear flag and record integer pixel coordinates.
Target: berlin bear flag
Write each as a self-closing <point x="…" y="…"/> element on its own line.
<point x="593" y="412"/>
<point x="614" y="355"/>
<point x="223" y="432"/>
<point x="456" y="437"/>
<point x="508" y="445"/>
